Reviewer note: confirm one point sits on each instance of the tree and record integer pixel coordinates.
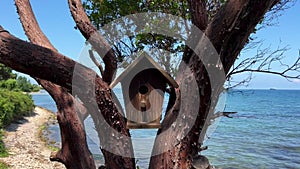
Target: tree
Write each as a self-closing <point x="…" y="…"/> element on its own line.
<point x="24" y="84"/>
<point x="6" y="73"/>
<point x="227" y="27"/>
<point x="10" y="81"/>
<point x="14" y="104"/>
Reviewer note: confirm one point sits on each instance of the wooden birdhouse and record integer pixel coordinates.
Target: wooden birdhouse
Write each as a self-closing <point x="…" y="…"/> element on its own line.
<point x="144" y="84"/>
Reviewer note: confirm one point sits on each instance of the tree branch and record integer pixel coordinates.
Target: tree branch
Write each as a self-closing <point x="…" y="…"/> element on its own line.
<point x="234" y="22"/>
<point x="66" y="112"/>
<point x="89" y="87"/>
<point x="263" y="62"/>
<point x="31" y="26"/>
<point x="199" y="14"/>
<point x="270" y="72"/>
<point x="94" y="38"/>
<point x="220" y="114"/>
<point x="35" y="34"/>
<point x="92" y="56"/>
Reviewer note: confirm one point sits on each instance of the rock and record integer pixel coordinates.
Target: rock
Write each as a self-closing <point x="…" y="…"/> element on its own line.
<point x="200" y="162"/>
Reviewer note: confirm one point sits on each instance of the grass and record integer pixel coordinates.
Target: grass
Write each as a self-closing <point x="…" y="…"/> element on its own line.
<point x="3" y="166"/>
<point x="3" y="150"/>
<point x="42" y="137"/>
<point x="53" y="148"/>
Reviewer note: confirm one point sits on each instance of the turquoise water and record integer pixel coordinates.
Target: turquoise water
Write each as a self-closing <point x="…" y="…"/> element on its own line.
<point x="264" y="134"/>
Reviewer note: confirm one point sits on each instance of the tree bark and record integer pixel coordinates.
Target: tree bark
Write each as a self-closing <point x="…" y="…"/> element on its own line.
<point x="74" y="153"/>
<point x="90" y="88"/>
<point x="234" y="23"/>
<point x="199" y="15"/>
<point x="228" y="32"/>
<point x="92" y="35"/>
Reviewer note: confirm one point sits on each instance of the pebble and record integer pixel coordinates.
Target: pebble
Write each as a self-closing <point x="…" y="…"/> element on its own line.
<point x="26" y="149"/>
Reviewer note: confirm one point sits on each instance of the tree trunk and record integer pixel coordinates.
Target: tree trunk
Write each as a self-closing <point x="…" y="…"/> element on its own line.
<point x="182" y="130"/>
<point x="93" y="36"/>
<point x="92" y="91"/>
<point x="74" y="153"/>
<point x="72" y="131"/>
<point x="228" y="33"/>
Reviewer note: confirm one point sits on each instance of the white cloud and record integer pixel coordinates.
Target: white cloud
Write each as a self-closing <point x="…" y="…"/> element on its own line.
<point x="296" y="80"/>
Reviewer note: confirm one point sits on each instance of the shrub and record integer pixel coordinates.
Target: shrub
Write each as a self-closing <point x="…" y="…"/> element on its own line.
<point x="3" y="151"/>
<point x="14" y="105"/>
<point x="10" y="84"/>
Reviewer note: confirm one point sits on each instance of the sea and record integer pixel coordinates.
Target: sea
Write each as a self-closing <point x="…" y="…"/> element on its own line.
<point x="265" y="132"/>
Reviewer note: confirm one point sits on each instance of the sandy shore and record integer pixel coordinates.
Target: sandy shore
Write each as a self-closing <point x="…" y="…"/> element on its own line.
<point x="26" y="149"/>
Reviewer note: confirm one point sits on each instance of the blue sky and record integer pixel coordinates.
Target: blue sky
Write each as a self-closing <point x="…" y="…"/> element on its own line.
<point x="56" y="22"/>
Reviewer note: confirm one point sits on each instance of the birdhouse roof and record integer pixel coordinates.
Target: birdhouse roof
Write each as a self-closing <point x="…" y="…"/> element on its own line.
<point x="143" y="62"/>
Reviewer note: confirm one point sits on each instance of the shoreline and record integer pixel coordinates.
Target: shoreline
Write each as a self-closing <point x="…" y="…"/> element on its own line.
<point x="25" y="143"/>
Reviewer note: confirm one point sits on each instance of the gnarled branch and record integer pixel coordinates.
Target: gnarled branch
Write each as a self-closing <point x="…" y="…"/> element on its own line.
<point x="73" y="156"/>
<point x="228" y="32"/>
<point x="94" y="38"/>
<point x="90" y="88"/>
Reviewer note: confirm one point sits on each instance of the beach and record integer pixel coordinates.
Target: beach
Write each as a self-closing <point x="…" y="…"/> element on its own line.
<point x="25" y="146"/>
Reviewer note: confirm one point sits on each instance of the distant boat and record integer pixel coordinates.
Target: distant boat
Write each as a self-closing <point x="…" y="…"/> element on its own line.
<point x="272" y="89"/>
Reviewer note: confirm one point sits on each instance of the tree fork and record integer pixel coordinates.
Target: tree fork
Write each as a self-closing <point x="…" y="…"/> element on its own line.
<point x="71" y="155"/>
<point x="92" y="35"/>
<point x="30" y="59"/>
<point x="228" y="42"/>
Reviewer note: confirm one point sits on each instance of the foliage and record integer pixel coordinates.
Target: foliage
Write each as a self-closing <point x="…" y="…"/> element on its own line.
<point x="14" y="105"/>
<point x="3" y="166"/>
<point x="10" y="81"/>
<point x="19" y="84"/>
<point x="169" y="49"/>
<point x="6" y="73"/>
<point x="13" y="102"/>
<point x="103" y="12"/>
<point x="24" y="85"/>
<point x="3" y="151"/>
<point x="10" y="84"/>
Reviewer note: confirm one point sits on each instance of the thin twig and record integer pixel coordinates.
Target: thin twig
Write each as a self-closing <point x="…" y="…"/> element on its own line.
<point x="92" y="56"/>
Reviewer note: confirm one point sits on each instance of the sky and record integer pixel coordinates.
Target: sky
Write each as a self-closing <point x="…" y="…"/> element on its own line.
<point x="55" y="20"/>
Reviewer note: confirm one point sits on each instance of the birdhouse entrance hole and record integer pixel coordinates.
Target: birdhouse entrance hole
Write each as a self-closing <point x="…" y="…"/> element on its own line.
<point x="143" y="89"/>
